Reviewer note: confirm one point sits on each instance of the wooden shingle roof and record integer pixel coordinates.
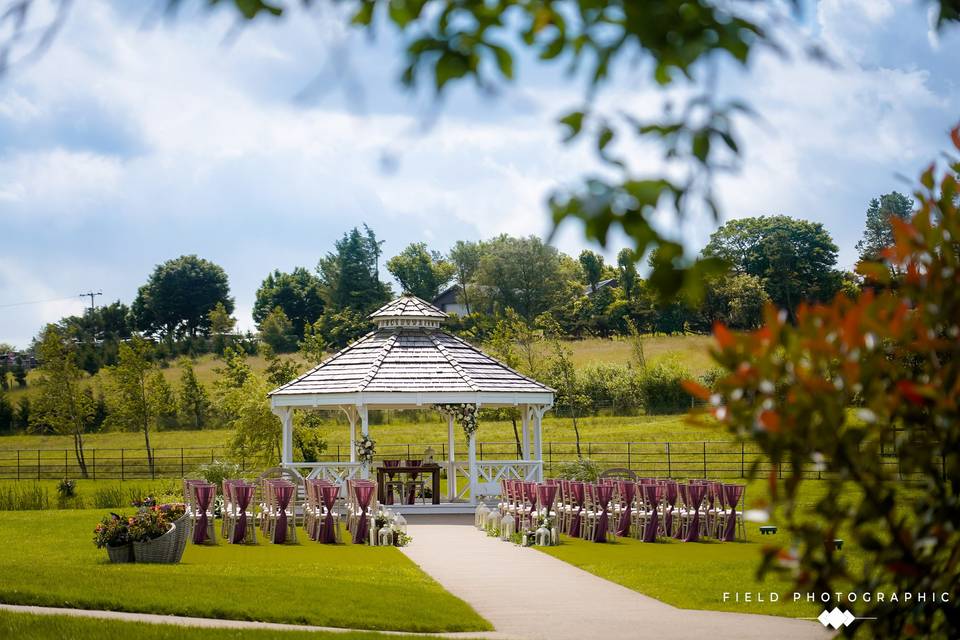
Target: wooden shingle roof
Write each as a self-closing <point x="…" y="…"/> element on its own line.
<point x="408" y="306"/>
<point x="408" y="360"/>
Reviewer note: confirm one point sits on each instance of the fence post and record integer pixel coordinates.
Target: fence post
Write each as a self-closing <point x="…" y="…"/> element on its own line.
<point x="669" y="470"/>
<point x="153" y="467"/>
<point x="182" y="471"/>
<point x="629" y="458"/>
<point x="94" y="464"/>
<point x="121" y="466"/>
<point x="704" y="458"/>
<point x="66" y="470"/>
<point x="742" y="457"/>
<point x="38" y="464"/>
<point x="18" y="464"/>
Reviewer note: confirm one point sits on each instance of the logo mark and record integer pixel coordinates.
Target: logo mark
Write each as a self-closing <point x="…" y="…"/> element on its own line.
<point x="836" y="618"/>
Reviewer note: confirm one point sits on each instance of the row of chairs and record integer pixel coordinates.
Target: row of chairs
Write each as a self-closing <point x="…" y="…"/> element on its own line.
<point x="647" y="509"/>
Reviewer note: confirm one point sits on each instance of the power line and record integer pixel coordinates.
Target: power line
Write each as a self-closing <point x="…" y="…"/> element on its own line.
<point x="91" y="295"/>
<point x="22" y="304"/>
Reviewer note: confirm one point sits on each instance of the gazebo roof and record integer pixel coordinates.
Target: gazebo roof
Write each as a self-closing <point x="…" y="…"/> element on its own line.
<point x="409" y="355"/>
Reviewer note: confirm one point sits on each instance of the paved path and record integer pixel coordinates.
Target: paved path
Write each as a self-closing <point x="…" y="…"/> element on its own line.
<point x="216" y="623"/>
<point x="529" y="594"/>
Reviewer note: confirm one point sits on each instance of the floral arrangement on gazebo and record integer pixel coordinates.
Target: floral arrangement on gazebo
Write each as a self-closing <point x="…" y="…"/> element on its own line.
<point x="465" y="414"/>
<point x="366" y="447"/>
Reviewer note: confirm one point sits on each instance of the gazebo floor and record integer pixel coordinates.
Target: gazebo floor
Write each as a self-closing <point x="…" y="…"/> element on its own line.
<point x="444" y="508"/>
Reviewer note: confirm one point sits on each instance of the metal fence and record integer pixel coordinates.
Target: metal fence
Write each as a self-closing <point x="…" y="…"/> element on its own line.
<point x="691" y="459"/>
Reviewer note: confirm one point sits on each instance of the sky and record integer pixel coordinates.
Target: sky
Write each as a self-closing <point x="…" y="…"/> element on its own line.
<point x="134" y="140"/>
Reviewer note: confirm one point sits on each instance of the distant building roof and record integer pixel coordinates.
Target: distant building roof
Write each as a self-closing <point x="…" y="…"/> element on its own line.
<point x="608" y="282"/>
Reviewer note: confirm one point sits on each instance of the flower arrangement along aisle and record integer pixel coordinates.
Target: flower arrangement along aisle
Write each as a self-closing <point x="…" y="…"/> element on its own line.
<point x="149" y="536"/>
<point x="365" y="447"/>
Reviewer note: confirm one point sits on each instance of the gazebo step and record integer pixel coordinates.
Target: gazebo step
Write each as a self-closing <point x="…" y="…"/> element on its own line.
<point x="432" y="509"/>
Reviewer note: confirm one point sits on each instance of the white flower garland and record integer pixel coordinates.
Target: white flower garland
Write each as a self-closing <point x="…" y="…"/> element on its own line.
<point x="465" y="414"/>
<point x="365" y="447"/>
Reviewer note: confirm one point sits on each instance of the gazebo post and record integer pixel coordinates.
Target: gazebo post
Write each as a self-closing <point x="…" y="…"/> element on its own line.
<point x="364" y="431"/>
<point x="286" y="438"/>
<point x="472" y="465"/>
<point x="538" y="412"/>
<point x="525" y="422"/>
<point x="452" y="460"/>
<point x="351" y="412"/>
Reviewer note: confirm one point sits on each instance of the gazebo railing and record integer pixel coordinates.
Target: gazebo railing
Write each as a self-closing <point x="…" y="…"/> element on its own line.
<point x="491" y="472"/>
<point x="338" y="472"/>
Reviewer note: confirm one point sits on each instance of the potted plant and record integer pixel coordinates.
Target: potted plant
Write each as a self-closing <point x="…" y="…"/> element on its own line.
<point x="176" y="513"/>
<point x="113" y="534"/>
<point x="153" y="536"/>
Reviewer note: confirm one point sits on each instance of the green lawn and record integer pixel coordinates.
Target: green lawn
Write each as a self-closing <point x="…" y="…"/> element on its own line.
<point x="696" y="575"/>
<point x="350" y="586"/>
<point x="58" y="627"/>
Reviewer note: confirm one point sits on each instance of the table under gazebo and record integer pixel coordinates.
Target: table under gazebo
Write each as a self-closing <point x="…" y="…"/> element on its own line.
<point x="410" y="362"/>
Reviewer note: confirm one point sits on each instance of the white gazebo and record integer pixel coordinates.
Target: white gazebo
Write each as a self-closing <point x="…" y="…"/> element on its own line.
<point x="410" y="362"/>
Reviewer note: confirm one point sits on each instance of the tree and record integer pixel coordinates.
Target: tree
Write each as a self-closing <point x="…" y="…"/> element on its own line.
<point x="221" y="326"/>
<point x="834" y="391"/>
<point x="139" y="398"/>
<point x="351" y="275"/>
<point x="512" y="343"/>
<point x="627" y="272"/>
<point x="7" y="418"/>
<point x="179" y="295"/>
<point x="592" y="265"/>
<point x="299" y="293"/>
<point x="61" y="404"/>
<point x="20" y="372"/>
<point x="421" y="272"/>
<point x="795" y="259"/>
<point x="256" y="430"/>
<point x="194" y="401"/>
<point x="277" y="332"/>
<point x="4" y="376"/>
<point x="279" y="371"/>
<point x="465" y="257"/>
<point x="313" y="347"/>
<point x="526" y="275"/>
<point x="565" y="381"/>
<point x="337" y="329"/>
<point x="736" y="300"/>
<point x="878" y="234"/>
<point x="21" y="417"/>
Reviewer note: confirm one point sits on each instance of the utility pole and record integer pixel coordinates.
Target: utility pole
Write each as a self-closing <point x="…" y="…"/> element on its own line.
<point x="91" y="295"/>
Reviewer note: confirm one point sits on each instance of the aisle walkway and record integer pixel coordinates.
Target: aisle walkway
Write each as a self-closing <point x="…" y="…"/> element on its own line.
<point x="529" y="594"/>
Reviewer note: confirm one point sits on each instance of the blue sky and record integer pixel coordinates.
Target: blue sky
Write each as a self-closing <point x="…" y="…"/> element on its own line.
<point x="132" y="141"/>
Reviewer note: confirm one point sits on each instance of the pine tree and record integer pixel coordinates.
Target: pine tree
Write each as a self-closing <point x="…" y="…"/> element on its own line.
<point x="194" y="401"/>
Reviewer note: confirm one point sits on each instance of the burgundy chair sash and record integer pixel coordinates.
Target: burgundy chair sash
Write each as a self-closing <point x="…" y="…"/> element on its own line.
<point x="243" y="493"/>
<point x="205" y="493"/>
<point x="628" y="491"/>
<point x="577" y="496"/>
<point x="363" y="493"/>
<point x="283" y="492"/>
<point x="602" y="494"/>
<point x="530" y="493"/>
<point x="695" y="494"/>
<point x="412" y="494"/>
<point x="650" y="492"/>
<point x="389" y="464"/>
<point x="328" y="493"/>
<point x="731" y="493"/>
<point x="547" y="494"/>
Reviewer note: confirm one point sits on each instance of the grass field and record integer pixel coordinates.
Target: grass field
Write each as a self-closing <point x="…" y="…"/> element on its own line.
<point x="58" y="627"/>
<point x="672" y="428"/>
<point x="308" y="583"/>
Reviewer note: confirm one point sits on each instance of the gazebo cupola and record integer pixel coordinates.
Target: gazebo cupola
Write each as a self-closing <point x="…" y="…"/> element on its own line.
<point x="409" y="362"/>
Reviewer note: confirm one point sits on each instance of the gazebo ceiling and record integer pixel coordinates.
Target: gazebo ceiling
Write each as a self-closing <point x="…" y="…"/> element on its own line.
<point x="407" y="356"/>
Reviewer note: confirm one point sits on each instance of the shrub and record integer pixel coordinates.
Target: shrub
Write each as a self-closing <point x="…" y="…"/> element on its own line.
<point x="66" y="488"/>
<point x="662" y="387"/>
<point x="23" y="497"/>
<point x="582" y="469"/>
<point x="612" y="386"/>
<point x="218" y="471"/>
